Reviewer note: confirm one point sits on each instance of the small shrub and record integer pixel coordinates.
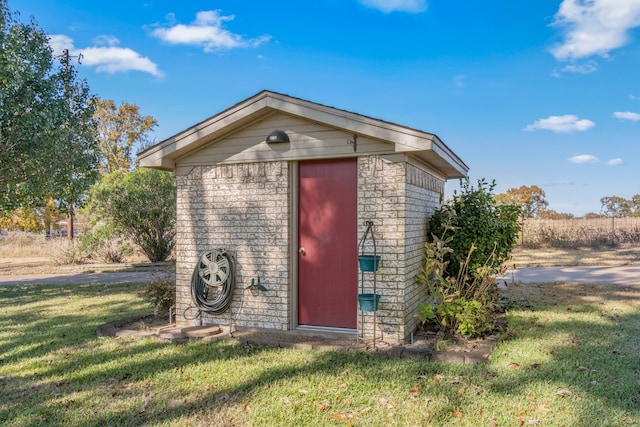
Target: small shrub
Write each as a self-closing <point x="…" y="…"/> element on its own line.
<point x="105" y="243"/>
<point x="160" y="292"/>
<point x="472" y="238"/>
<point x="465" y="304"/>
<point x="68" y="253"/>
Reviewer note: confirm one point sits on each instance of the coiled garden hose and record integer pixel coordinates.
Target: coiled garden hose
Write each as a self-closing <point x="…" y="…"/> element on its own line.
<point x="213" y="281"/>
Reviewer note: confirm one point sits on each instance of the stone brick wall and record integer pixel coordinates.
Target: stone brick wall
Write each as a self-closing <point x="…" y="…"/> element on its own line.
<point x="424" y="192"/>
<point x="244" y="208"/>
<point x="398" y="197"/>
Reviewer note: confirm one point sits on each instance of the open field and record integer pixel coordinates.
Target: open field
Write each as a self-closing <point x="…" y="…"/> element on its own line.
<point x="569" y="358"/>
<point x="550" y="257"/>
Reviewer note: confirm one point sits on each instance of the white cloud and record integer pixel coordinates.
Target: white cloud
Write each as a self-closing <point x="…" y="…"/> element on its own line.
<point x="207" y="31"/>
<point x="594" y="27"/>
<point x="106" y="56"/>
<point x="586" y="68"/>
<point x="561" y="124"/>
<point x="627" y="115"/>
<point x="584" y="158"/>
<point x="388" y="6"/>
<point x="615" y="162"/>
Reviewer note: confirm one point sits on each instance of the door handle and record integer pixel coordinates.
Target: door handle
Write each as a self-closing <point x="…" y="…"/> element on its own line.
<point x="302" y="251"/>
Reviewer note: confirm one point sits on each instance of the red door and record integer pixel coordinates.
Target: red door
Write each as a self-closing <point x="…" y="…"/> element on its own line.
<point x="327" y="242"/>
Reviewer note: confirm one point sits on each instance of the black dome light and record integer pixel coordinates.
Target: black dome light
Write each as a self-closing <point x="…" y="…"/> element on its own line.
<point x="277" y="136"/>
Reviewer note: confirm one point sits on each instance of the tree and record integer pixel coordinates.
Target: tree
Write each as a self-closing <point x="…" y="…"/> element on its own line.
<point x="120" y="131"/>
<point x="47" y="139"/>
<point x="32" y="219"/>
<point x="615" y="206"/>
<point x="142" y="204"/>
<point x="530" y="199"/>
<point x="634" y="205"/>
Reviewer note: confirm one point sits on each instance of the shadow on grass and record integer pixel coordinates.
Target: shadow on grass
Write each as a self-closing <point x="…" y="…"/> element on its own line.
<point x="584" y="340"/>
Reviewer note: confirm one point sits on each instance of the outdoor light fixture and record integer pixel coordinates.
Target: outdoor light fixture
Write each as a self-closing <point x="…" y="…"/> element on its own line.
<point x="277" y="136"/>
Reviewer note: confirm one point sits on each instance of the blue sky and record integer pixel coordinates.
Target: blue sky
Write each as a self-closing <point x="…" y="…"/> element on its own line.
<point x="540" y="92"/>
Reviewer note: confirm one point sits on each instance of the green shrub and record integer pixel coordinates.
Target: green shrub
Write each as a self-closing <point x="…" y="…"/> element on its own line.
<point x="463" y="304"/>
<point x="105" y="243"/>
<point x="160" y="292"/>
<point x="474" y="219"/>
<point x="142" y="204"/>
<point x="472" y="237"/>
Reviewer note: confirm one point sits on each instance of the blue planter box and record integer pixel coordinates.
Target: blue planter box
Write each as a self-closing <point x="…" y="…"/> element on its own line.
<point x="368" y="302"/>
<point x="369" y="262"/>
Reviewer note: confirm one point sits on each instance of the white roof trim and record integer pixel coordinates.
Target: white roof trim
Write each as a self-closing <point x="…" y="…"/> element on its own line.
<point x="405" y="140"/>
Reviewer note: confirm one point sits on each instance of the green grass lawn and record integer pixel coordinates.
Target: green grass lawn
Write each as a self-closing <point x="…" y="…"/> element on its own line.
<point x="571" y="357"/>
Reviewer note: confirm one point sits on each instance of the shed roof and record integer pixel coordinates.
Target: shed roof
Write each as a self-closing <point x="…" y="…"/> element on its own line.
<point x="426" y="146"/>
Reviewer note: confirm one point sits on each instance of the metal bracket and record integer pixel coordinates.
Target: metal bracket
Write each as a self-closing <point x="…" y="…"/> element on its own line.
<point x="354" y="142"/>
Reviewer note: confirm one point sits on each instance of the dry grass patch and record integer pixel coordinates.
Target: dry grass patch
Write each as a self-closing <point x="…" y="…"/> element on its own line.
<point x="561" y="257"/>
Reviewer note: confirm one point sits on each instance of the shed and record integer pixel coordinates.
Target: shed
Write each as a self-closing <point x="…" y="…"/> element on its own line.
<point x="287" y="187"/>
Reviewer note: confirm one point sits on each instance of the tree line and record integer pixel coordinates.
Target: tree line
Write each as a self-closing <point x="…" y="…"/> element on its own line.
<point x="533" y="204"/>
<point x="64" y="150"/>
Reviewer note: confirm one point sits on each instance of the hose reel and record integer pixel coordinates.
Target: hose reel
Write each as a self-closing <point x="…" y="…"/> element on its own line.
<point x="213" y="280"/>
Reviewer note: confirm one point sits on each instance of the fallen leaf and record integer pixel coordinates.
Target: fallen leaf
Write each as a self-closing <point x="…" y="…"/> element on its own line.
<point x="493" y="423"/>
<point x="285" y="399"/>
<point x="583" y="369"/>
<point x="543" y="408"/>
<point x="532" y="320"/>
<point x="455" y="413"/>
<point x="533" y="422"/>
<point x="437" y="378"/>
<point x="513" y="365"/>
<point x="338" y="416"/>
<point x="303" y="391"/>
<point x="414" y="390"/>
<point x="564" y="392"/>
<point x="536" y="365"/>
<point x="323" y="406"/>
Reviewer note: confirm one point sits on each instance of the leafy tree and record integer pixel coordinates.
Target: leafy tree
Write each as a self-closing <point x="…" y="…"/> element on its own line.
<point x="32" y="219"/>
<point x="47" y="140"/>
<point x="120" y="131"/>
<point x="476" y="227"/>
<point x="24" y="219"/>
<point x="142" y="204"/>
<point x="615" y="206"/>
<point x="634" y="204"/>
<point x="530" y="199"/>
